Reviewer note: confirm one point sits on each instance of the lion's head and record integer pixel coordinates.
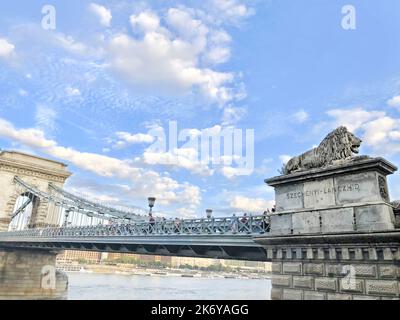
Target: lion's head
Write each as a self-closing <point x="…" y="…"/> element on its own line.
<point x="339" y="144"/>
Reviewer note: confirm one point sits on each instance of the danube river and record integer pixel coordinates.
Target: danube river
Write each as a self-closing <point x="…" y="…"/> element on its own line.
<point x="92" y="286"/>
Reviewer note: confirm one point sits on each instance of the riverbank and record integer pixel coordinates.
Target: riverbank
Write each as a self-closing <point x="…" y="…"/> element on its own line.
<point x="130" y="270"/>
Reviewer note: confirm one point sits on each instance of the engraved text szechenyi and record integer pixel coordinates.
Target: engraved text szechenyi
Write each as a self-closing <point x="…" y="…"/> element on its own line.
<point x="316" y="192"/>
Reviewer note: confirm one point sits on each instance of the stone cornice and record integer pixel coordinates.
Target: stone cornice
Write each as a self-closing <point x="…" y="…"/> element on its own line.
<point x="26" y="168"/>
<point x="392" y="236"/>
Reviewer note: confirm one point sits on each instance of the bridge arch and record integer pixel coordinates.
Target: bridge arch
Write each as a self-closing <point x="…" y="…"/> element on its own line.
<point x="36" y="171"/>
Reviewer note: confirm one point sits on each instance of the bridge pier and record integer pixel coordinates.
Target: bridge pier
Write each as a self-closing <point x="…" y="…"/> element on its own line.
<point x="334" y="236"/>
<point x="30" y="275"/>
<point x="348" y="267"/>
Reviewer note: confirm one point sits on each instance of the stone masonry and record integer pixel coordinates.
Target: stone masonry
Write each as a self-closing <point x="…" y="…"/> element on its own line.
<point x="335" y="273"/>
<point x="31" y="275"/>
<point x="334" y="236"/>
<point x="33" y="170"/>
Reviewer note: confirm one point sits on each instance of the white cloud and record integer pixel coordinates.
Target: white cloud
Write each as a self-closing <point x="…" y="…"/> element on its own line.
<point x="144" y="182"/>
<point x="233" y="115"/>
<point x="232" y="172"/>
<point x="68" y="43"/>
<point x="22" y="92"/>
<point x="135" y="138"/>
<point x="174" y="53"/>
<point x="394" y="102"/>
<point x="102" y="13"/>
<point x="125" y="139"/>
<point x="192" y="155"/>
<point x="184" y="158"/>
<point x="6" y="48"/>
<point x="301" y="116"/>
<point x="73" y="92"/>
<point x="284" y="158"/>
<point x="230" y="10"/>
<point x="145" y="22"/>
<point x="354" y="118"/>
<point x="265" y="167"/>
<point x="379" y="131"/>
<point x="254" y="205"/>
<point x="45" y="118"/>
<point x="170" y="65"/>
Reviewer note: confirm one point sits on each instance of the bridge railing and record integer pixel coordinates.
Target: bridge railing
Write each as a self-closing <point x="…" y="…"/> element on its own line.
<point x="231" y="225"/>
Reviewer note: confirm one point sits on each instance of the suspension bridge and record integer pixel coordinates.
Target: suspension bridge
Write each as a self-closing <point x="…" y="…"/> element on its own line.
<point x="45" y="216"/>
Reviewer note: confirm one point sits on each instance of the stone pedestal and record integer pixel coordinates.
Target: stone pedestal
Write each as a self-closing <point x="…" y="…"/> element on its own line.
<point x="31" y="275"/>
<point x="344" y="198"/>
<point x="334" y="234"/>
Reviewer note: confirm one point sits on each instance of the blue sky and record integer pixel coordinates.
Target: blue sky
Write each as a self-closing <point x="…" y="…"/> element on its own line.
<point x="92" y="92"/>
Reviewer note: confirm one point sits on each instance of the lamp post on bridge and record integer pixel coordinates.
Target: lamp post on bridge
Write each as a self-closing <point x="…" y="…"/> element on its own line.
<point x="67" y="212"/>
<point x="209" y="213"/>
<point x="151" y="200"/>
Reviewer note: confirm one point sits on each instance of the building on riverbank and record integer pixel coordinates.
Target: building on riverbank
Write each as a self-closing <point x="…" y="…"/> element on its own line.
<point x="154" y="260"/>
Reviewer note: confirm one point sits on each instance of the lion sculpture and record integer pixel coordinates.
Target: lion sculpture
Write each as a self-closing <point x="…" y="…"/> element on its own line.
<point x="338" y="145"/>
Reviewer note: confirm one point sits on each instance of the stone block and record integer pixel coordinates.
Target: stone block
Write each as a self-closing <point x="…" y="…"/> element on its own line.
<point x="312" y="295"/>
<point x="292" y="268"/>
<point x="335" y="270"/>
<point x="305" y="222"/>
<point x="358" y="254"/>
<point x="339" y="296"/>
<point x="388" y="272"/>
<point x="358" y="270"/>
<point x="372" y="254"/>
<point x="382" y="287"/>
<point x="365" y="270"/>
<point x="374" y="218"/>
<point x="319" y="194"/>
<point x="303" y="282"/>
<point x="345" y="254"/>
<point x="337" y="220"/>
<point x="326" y="284"/>
<point x="281" y="224"/>
<point x="351" y="285"/>
<point x="289" y="197"/>
<point x="357" y="188"/>
<point x="358" y="297"/>
<point x="281" y="281"/>
<point x="332" y="254"/>
<point x="321" y="254"/>
<point x="299" y="253"/>
<point x="276" y="267"/>
<point x="276" y="294"/>
<point x="388" y="254"/>
<point x="290" y="294"/>
<point x="314" y="268"/>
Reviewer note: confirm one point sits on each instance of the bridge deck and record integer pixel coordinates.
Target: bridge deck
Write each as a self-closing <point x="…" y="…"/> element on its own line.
<point x="229" y="246"/>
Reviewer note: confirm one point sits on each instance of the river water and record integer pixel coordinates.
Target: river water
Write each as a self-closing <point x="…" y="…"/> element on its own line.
<point x="91" y="286"/>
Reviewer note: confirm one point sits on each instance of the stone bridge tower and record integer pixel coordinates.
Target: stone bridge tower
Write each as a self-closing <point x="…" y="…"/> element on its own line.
<point x="35" y="171"/>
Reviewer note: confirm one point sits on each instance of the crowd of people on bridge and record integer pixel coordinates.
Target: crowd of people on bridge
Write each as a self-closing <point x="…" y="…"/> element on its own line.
<point x="238" y="224"/>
